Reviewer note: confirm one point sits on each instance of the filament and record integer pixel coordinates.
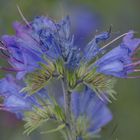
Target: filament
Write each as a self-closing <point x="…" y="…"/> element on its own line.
<point x="132" y="77"/>
<point x="22" y="16"/>
<point x="11" y="69"/>
<point x="133" y="64"/>
<point x="114" y="40"/>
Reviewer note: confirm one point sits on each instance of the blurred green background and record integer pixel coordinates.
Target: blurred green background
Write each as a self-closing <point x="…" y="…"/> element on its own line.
<point x="123" y="15"/>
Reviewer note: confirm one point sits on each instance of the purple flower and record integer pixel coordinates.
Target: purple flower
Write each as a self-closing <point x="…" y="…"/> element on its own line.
<point x="41" y="37"/>
<point x="13" y="100"/>
<point x="22" y="57"/>
<point x="92" y="49"/>
<point x="43" y="51"/>
<point x="119" y="61"/>
<point x="90" y="113"/>
<point x="44" y="37"/>
<point x="92" y="109"/>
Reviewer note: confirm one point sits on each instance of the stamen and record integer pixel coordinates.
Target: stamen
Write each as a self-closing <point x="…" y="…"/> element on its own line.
<point x="10" y="69"/>
<point x="1" y="105"/>
<point x="8" y="56"/>
<point x="114" y="40"/>
<point x="132" y="77"/>
<point x="22" y="16"/>
<point x="135" y="53"/>
<point x="134" y="58"/>
<point x="18" y="60"/>
<point x="26" y="21"/>
<point x="4" y="109"/>
<point x="2" y="48"/>
<point x="107" y="98"/>
<point x="4" y="54"/>
<point x="133" y="64"/>
<point x="2" y="43"/>
<point x="3" y="57"/>
<point x="137" y="70"/>
<point x="137" y="49"/>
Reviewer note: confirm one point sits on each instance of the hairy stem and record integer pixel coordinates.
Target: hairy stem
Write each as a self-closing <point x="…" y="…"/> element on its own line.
<point x="67" y="107"/>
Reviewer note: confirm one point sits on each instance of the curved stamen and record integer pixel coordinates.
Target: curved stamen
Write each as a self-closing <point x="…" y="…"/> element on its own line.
<point x="3" y="57"/>
<point x="8" y="56"/>
<point x="133" y="64"/>
<point x="2" y="106"/>
<point x="135" y="58"/>
<point x="4" y="109"/>
<point x="11" y="69"/>
<point x="18" y="60"/>
<point x="132" y="77"/>
<point x="114" y="40"/>
<point x="136" y="70"/>
<point x="5" y="54"/>
<point x="1" y="48"/>
<point x="22" y="16"/>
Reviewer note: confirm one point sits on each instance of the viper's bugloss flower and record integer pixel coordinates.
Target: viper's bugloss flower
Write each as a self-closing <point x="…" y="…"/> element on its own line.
<point x="44" y="51"/>
<point x="90" y="113"/>
<point x="13" y="100"/>
<point x="119" y="61"/>
<point x="54" y="40"/>
<point x="87" y="109"/>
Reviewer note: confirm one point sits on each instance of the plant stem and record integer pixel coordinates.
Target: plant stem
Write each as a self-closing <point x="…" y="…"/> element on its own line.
<point x="67" y="107"/>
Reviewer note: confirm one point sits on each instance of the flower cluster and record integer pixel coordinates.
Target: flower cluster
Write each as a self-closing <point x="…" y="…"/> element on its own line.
<point x="43" y="54"/>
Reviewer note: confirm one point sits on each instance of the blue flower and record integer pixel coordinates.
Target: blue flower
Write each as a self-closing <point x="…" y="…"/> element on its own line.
<point x="95" y="112"/>
<point x="46" y="50"/>
<point x="44" y="37"/>
<point x="13" y="100"/>
<point x="41" y="37"/>
<point x="92" y="49"/>
<point x="119" y="61"/>
<point x="90" y="114"/>
<point x="21" y="56"/>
